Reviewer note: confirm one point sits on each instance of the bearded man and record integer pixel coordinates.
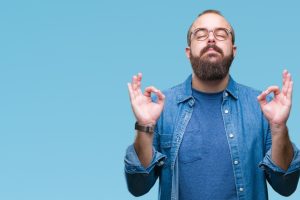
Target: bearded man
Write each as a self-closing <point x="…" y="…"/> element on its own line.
<point x="210" y="137"/>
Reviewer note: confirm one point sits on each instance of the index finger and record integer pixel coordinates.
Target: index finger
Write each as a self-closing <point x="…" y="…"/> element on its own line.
<point x="274" y="89"/>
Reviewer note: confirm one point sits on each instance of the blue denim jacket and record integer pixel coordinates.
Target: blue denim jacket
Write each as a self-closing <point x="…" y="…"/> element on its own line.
<point x="249" y="139"/>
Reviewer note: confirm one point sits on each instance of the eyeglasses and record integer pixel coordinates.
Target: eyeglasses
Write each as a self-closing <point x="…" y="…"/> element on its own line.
<point x="220" y="34"/>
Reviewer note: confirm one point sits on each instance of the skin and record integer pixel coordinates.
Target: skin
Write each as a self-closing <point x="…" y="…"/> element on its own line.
<point x="277" y="111"/>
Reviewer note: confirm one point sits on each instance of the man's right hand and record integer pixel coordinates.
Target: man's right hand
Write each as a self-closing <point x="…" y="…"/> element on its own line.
<point x="146" y="113"/>
<point x="145" y="110"/>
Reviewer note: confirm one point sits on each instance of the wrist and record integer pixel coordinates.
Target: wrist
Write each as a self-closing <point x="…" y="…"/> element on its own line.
<point x="279" y="130"/>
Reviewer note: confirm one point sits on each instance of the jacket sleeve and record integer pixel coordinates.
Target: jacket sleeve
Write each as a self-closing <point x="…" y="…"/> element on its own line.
<point x="282" y="181"/>
<point x="139" y="179"/>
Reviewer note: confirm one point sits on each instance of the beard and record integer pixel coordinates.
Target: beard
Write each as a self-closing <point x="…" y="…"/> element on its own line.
<point x="208" y="70"/>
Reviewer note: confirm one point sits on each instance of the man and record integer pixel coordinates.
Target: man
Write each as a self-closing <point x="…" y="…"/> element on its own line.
<point x="210" y="137"/>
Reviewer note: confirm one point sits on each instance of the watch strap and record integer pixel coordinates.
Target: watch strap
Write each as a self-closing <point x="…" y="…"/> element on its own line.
<point x="144" y="128"/>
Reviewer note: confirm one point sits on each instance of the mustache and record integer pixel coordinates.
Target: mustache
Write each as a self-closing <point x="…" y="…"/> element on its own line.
<point x="214" y="47"/>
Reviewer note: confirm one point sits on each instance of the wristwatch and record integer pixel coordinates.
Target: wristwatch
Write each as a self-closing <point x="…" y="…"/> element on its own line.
<point x="144" y="128"/>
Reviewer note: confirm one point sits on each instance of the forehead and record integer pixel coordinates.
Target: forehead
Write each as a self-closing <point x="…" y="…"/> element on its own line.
<point x="210" y="21"/>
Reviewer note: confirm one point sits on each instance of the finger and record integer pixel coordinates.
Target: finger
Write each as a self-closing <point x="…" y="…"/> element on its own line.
<point x="149" y="90"/>
<point x="287" y="76"/>
<point x="275" y="89"/>
<point x="262" y="98"/>
<point x="287" y="83"/>
<point x="288" y="79"/>
<point x="161" y="97"/>
<point x="284" y="73"/>
<point x="290" y="91"/>
<point x="130" y="90"/>
<point x="139" y="76"/>
<point x="134" y="85"/>
<point x="284" y="82"/>
<point x="134" y="82"/>
<point x="139" y="83"/>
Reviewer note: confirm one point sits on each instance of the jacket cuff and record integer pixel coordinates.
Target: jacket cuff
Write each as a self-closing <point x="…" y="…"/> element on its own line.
<point x="268" y="164"/>
<point x="133" y="164"/>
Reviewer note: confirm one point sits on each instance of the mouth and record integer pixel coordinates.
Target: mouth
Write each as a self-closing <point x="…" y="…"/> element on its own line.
<point x="211" y="53"/>
<point x="212" y="50"/>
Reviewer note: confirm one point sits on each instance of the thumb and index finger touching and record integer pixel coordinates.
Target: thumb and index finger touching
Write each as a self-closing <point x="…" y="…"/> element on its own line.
<point x="134" y="89"/>
<point x="262" y="98"/>
<point x="286" y="89"/>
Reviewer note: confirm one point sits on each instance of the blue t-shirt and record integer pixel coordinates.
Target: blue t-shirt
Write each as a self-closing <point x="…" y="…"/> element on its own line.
<point x="205" y="165"/>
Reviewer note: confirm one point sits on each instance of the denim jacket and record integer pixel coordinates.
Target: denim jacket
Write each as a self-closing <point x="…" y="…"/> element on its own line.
<point x="249" y="138"/>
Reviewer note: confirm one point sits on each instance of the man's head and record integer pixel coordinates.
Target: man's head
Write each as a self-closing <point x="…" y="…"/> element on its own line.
<point x="211" y="46"/>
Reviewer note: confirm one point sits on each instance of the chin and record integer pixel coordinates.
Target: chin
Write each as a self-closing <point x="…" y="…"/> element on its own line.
<point x="213" y="59"/>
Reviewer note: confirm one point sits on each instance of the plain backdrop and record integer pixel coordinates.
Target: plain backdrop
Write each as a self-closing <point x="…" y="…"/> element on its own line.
<point x="65" y="115"/>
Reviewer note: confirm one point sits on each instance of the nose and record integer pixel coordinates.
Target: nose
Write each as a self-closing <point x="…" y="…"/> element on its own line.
<point x="211" y="37"/>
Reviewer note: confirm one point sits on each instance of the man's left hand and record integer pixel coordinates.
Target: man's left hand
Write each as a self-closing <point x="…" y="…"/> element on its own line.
<point x="277" y="111"/>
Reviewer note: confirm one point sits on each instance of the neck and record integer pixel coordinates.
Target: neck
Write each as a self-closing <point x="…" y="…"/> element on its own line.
<point x="209" y="86"/>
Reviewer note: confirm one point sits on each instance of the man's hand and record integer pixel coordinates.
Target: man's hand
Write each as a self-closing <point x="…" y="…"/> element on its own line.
<point x="145" y="111"/>
<point x="277" y="111"/>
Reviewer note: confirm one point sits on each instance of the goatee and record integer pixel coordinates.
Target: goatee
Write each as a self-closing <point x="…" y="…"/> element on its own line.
<point x="208" y="70"/>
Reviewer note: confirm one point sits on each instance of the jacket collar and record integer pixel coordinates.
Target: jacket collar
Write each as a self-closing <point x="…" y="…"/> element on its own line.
<point x="185" y="89"/>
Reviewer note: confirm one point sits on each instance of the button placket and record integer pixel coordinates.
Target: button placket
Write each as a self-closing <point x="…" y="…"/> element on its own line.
<point x="231" y="135"/>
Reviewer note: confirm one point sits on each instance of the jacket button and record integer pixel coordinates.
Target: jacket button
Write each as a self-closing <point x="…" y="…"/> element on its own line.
<point x="160" y="163"/>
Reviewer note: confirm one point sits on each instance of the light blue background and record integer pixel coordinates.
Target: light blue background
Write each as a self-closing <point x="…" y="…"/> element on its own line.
<point x="65" y="116"/>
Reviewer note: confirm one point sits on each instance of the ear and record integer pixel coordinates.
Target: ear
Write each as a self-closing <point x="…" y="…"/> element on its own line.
<point x="188" y="52"/>
<point x="234" y="50"/>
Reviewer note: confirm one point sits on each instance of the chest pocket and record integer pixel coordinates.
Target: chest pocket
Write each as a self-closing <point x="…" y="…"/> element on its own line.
<point x="191" y="147"/>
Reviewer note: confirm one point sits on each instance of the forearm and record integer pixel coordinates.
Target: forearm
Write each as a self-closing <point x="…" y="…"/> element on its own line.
<point x="282" y="149"/>
<point x="143" y="147"/>
<point x="140" y="179"/>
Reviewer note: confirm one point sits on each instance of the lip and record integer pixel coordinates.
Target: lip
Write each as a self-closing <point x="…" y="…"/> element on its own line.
<point x="211" y="49"/>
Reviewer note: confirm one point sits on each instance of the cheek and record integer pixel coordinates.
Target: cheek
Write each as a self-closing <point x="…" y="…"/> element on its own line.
<point x="228" y="50"/>
<point x="195" y="49"/>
